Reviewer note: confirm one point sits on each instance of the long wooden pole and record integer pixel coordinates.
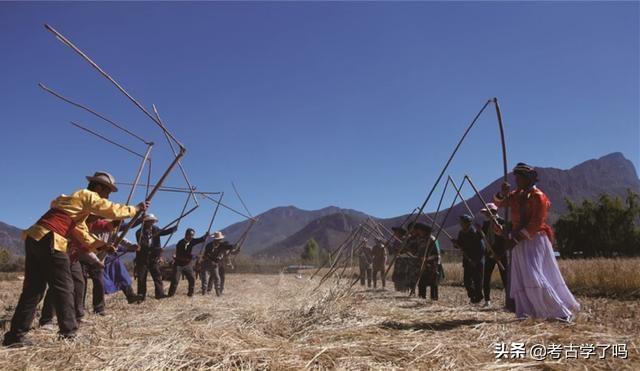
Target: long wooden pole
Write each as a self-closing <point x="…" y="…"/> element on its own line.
<point x="151" y="195"/>
<point x="93" y="112"/>
<point x="84" y="56"/>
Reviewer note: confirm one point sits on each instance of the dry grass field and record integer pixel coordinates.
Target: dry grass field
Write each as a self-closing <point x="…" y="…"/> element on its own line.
<point x="279" y="322"/>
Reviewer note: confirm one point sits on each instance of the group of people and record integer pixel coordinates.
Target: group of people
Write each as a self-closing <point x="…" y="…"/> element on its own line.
<point x="74" y="241"/>
<point x="521" y="249"/>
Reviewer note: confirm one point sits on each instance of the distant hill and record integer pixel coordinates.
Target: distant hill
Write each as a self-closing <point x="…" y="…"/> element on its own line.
<point x="328" y="231"/>
<point x="277" y="224"/>
<point x="10" y="238"/>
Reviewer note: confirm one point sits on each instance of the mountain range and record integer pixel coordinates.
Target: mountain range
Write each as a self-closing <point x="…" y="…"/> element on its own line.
<point x="282" y="232"/>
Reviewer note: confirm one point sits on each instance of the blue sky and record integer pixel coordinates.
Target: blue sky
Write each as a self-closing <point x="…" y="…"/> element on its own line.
<point x="313" y="104"/>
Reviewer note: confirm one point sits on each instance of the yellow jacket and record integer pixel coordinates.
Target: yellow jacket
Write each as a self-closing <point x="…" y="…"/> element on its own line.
<point x="78" y="207"/>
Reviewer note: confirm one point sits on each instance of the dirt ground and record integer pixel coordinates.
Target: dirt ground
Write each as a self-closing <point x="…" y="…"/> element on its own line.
<point x="279" y="322"/>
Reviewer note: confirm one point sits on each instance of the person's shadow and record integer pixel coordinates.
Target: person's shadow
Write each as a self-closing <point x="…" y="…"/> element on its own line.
<point x="430" y="326"/>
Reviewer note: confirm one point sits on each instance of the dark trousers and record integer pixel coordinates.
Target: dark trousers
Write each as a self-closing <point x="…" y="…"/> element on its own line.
<point x="473" y="280"/>
<point x="44" y="266"/>
<point x="210" y="276"/>
<point x="379" y="269"/>
<point x="151" y="266"/>
<point x="422" y="290"/>
<point x="96" y="274"/>
<point x="178" y="271"/>
<point x="222" y="273"/>
<point x="48" y="308"/>
<point x="489" y="265"/>
<point x="366" y="272"/>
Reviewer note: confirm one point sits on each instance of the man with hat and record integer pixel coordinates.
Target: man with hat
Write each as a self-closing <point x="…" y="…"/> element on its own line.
<point x="495" y="237"/>
<point x="427" y="251"/>
<point x="46" y="258"/>
<point x="148" y="257"/>
<point x="183" y="263"/>
<point x="212" y="256"/>
<point x="469" y="241"/>
<point x="536" y="283"/>
<point x="379" y="252"/>
<point x="365" y="262"/>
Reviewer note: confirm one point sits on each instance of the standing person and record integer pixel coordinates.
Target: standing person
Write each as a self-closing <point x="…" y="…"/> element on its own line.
<point x="536" y="283"/>
<point x="46" y="259"/>
<point x="427" y="248"/>
<point x="148" y="257"/>
<point x="183" y="262"/>
<point x="222" y="261"/>
<point x="470" y="242"/>
<point x="227" y="250"/>
<point x="210" y="275"/>
<point x="365" y="259"/>
<point x="402" y="260"/>
<point x="379" y="262"/>
<point x="497" y="241"/>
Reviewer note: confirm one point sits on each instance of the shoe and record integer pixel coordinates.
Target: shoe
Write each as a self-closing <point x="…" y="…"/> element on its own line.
<point x="134" y="299"/>
<point x="47" y="326"/>
<point x="487" y="304"/>
<point x="101" y="313"/>
<point x="67" y="336"/>
<point x="11" y="341"/>
<point x="82" y="321"/>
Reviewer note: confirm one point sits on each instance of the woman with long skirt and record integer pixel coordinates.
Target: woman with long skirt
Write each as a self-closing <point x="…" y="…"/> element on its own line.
<point x="537" y="285"/>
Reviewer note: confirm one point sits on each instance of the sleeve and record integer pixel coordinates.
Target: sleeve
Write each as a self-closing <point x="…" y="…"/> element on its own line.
<point x="539" y="207"/>
<point x="102" y="207"/>
<point x="164" y="232"/>
<point x="87" y="242"/>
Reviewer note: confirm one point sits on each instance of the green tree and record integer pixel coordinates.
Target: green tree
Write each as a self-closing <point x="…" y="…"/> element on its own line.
<point x="606" y="227"/>
<point x="311" y="252"/>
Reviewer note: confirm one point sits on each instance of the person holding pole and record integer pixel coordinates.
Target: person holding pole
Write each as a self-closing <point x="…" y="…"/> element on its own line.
<point x="183" y="263"/>
<point x="536" y="283"/>
<point x="497" y="241"/>
<point x="148" y="257"/>
<point x="379" y="262"/>
<point x="210" y="274"/>
<point x="46" y="258"/>
<point x="470" y="242"/>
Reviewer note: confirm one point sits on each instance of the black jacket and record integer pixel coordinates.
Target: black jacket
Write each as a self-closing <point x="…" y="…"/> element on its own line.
<point x="150" y="245"/>
<point x="471" y="244"/>
<point x="184" y="248"/>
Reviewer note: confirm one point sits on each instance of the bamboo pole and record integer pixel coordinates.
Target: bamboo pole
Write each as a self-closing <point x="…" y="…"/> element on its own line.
<point x="93" y="112"/>
<point x="84" y="56"/>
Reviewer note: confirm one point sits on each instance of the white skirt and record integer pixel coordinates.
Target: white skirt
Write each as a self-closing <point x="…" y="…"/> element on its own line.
<point x="537" y="285"/>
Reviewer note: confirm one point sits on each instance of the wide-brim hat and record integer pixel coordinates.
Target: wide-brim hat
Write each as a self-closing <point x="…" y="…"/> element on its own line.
<point x="419" y="226"/>
<point x="150" y="218"/>
<point x="104" y="178"/>
<point x="217" y="236"/>
<point x="490" y="207"/>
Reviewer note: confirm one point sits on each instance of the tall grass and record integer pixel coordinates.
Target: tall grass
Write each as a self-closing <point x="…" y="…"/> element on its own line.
<point x="612" y="278"/>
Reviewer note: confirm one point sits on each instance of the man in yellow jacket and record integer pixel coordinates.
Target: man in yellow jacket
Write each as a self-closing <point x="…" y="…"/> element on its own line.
<point x="46" y="258"/>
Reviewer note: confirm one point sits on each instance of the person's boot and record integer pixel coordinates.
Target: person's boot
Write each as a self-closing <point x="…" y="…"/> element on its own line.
<point x="13" y="341"/>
